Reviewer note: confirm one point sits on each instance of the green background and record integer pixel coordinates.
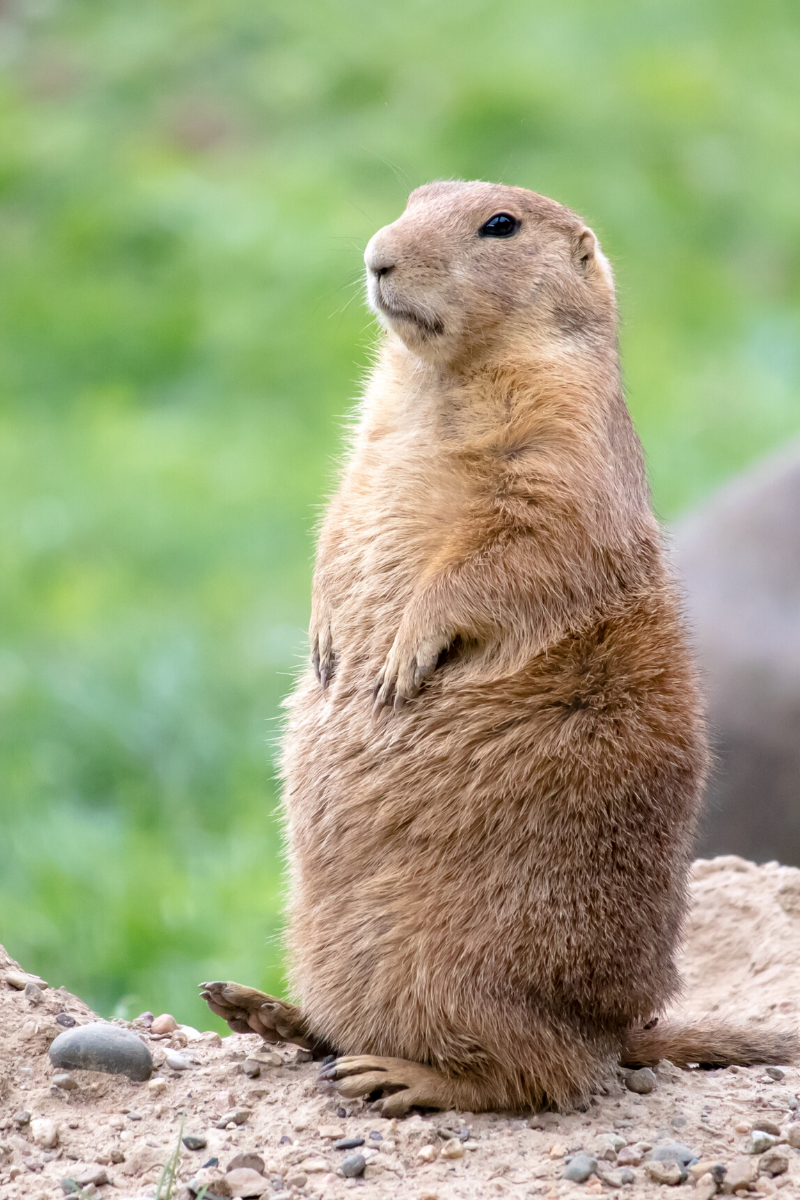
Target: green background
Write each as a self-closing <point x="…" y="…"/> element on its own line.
<point x="186" y="187"/>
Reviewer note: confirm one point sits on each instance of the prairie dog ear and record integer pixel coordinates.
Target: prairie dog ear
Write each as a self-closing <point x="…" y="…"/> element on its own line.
<point x="585" y="249"/>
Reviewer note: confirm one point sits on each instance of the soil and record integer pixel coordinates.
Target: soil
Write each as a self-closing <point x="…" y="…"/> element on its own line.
<point x="741" y="957"/>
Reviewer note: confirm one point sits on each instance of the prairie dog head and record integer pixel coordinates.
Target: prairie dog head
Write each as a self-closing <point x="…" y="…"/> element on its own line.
<point x="470" y="269"/>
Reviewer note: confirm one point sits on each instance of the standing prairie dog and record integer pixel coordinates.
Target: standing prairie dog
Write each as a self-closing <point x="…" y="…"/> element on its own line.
<point x="493" y="774"/>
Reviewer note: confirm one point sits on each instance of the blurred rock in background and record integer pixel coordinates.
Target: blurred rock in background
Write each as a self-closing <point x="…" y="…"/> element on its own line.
<point x="740" y="559"/>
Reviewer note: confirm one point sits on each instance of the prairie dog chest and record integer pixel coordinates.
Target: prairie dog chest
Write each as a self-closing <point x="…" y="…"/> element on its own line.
<point x="401" y="499"/>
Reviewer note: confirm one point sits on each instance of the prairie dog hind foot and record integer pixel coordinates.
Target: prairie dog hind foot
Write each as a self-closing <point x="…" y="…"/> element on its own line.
<point x="247" y="1010"/>
<point x="402" y="1084"/>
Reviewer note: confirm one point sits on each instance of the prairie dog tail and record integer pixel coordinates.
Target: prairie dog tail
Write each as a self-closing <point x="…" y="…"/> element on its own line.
<point x="709" y="1043"/>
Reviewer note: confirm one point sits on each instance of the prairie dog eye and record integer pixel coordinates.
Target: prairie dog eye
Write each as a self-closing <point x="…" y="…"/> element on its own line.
<point x="501" y="225"/>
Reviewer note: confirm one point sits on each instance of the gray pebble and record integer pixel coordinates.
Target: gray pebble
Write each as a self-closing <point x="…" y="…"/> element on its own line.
<point x="251" y="1068"/>
<point x="134" y="1116"/>
<point x="351" y="1143"/>
<point x="22" y="1118"/>
<point x="642" y="1081"/>
<point x="580" y="1168"/>
<point x="66" y="1020"/>
<point x="34" y="993"/>
<point x="353" y="1166"/>
<point x="194" y="1142"/>
<point x="674" y="1152"/>
<point x="101" y="1047"/>
<point x="774" y="1072"/>
<point x="177" y="1061"/>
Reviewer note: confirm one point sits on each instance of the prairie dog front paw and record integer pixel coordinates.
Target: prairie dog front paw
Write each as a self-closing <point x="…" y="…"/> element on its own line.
<point x="409" y="663"/>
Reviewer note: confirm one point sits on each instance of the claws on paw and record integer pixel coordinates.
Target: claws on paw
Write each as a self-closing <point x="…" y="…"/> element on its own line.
<point x="248" y="1010"/>
<point x="401" y="1084"/>
<point x="406" y="669"/>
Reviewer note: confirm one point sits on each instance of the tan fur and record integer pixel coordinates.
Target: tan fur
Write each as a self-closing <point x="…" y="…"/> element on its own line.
<point x="488" y="864"/>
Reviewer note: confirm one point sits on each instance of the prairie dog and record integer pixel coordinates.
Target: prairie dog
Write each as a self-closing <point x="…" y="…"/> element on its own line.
<point x="492" y="776"/>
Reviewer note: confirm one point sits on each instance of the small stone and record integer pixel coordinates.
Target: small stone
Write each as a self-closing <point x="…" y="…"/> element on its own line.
<point x="66" y="1020"/>
<point x="606" y="1146"/>
<point x="775" y="1073"/>
<point x="557" y="1150"/>
<point x="237" y="1116"/>
<point x="743" y="1127"/>
<point x="642" y="1081"/>
<point x="297" y="1179"/>
<point x="759" y="1142"/>
<point x="351" y="1143"/>
<point x="629" y="1156"/>
<point x="23" y="1118"/>
<point x="246" y="1161"/>
<point x="669" y="1173"/>
<point x="580" y="1168"/>
<point x="332" y="1132"/>
<point x="794" y="1136"/>
<point x="144" y="1020"/>
<point x="94" y="1173"/>
<point x="303" y="1056"/>
<point x="674" y="1152"/>
<point x="178" y="1062"/>
<point x="774" y="1162"/>
<point x="134" y="1116"/>
<point x="164" y="1024"/>
<point x="265" y="1058"/>
<point x="617" y="1178"/>
<point x="101" y="1047"/>
<point x="45" y="1133"/>
<point x="34" y="993"/>
<point x="374" y="1136"/>
<point x="21" y="979"/>
<point x="740" y="1174"/>
<point x="706" y="1187"/>
<point x="243" y="1181"/>
<point x="698" y="1169"/>
<point x="354" y="1164"/>
<point x="767" y="1126"/>
<point x="427" y="1154"/>
<point x="313" y="1166"/>
<point x="194" y="1141"/>
<point x="452" y="1149"/>
<point x="251" y="1068"/>
<point x="65" y="1082"/>
<point x="157" y="1086"/>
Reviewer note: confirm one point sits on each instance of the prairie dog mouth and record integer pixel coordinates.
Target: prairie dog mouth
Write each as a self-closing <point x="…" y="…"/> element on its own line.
<point x="406" y="311"/>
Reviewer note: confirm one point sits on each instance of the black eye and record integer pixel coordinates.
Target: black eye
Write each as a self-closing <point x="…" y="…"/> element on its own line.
<point x="500" y="225"/>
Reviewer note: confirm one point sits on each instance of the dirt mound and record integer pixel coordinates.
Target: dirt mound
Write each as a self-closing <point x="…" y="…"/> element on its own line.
<point x="236" y="1097"/>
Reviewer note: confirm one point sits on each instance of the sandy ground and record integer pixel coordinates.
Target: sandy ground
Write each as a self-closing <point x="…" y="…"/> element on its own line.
<point x="742" y="956"/>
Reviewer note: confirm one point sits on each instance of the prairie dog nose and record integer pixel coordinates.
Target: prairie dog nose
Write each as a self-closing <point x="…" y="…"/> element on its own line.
<point x="378" y="258"/>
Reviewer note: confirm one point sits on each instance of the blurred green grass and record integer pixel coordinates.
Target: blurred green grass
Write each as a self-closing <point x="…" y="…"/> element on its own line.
<point x="185" y="191"/>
